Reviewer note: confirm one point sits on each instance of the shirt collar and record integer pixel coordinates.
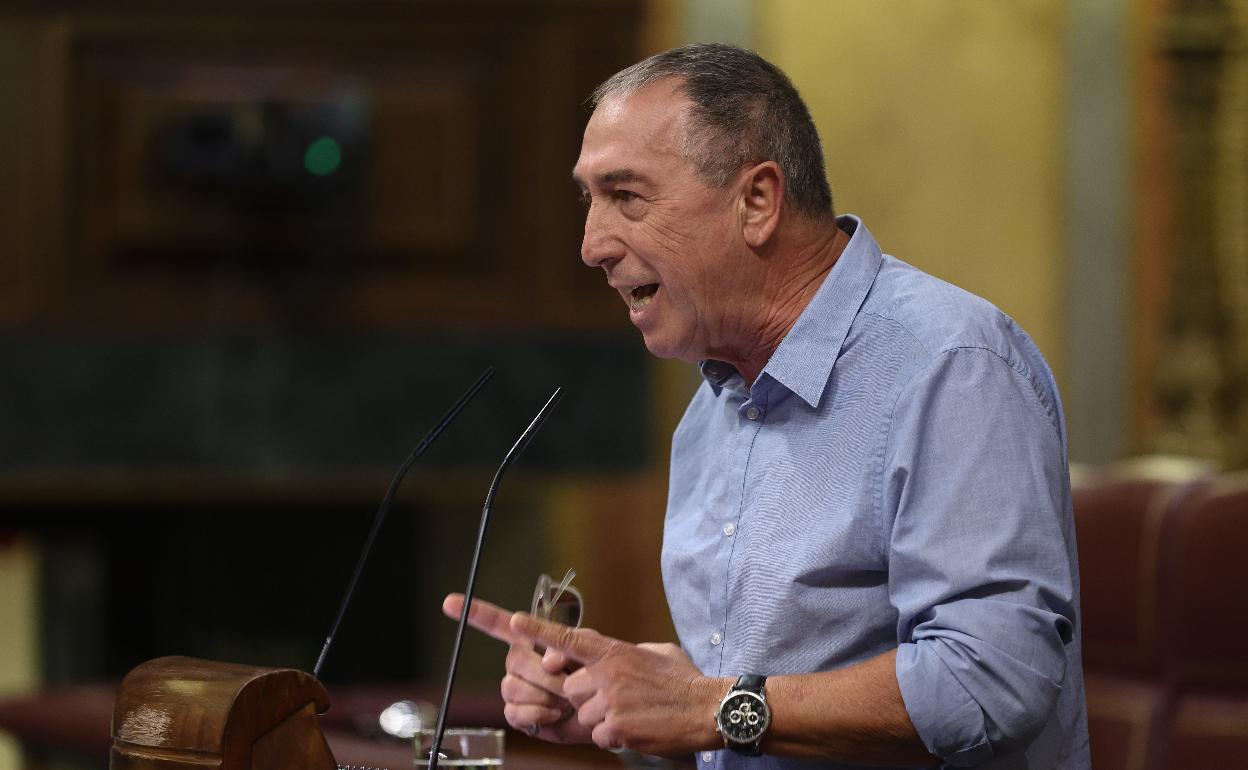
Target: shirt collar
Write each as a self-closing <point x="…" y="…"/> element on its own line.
<point x="720" y="375"/>
<point x="803" y="361"/>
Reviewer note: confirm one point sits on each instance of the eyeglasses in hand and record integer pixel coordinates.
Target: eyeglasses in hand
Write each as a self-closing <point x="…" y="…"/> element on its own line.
<point x="560" y="602"/>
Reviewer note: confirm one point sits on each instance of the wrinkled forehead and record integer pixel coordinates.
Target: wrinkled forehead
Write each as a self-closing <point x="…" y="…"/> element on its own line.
<point x="639" y="128"/>
<point x="657" y="100"/>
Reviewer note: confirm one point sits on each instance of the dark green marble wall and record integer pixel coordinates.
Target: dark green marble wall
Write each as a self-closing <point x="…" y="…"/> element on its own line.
<point x="308" y="401"/>
<point x="257" y="578"/>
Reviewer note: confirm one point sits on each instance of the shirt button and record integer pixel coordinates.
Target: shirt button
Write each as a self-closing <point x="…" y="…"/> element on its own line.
<point x="707" y="756"/>
<point x="716" y="638"/>
<point x="752" y="413"/>
<point x="730" y="528"/>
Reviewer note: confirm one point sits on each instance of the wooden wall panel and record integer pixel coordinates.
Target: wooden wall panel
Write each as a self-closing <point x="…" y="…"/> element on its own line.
<point x="14" y="131"/>
<point x="452" y="209"/>
<point x="31" y="71"/>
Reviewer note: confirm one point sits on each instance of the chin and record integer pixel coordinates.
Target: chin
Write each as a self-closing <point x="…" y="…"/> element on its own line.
<point x="658" y="347"/>
<point x="661" y="347"/>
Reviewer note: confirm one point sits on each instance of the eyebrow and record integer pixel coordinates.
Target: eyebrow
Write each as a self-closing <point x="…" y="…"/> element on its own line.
<point x="615" y="176"/>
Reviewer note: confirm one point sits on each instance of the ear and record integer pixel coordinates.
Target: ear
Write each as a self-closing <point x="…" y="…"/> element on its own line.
<point x="762" y="193"/>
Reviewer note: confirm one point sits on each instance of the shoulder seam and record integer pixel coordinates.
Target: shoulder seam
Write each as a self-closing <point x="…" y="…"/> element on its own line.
<point x="903" y="327"/>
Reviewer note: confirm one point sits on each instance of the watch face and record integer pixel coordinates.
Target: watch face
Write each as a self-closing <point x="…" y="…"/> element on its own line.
<point x="743" y="717"/>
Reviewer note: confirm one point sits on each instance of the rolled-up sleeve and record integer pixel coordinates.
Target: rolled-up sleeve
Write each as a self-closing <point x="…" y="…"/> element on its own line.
<point x="976" y="496"/>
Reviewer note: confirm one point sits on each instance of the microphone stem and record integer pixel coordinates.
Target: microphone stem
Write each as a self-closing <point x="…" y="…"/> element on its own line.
<point x="380" y="518"/>
<point x="515" y="451"/>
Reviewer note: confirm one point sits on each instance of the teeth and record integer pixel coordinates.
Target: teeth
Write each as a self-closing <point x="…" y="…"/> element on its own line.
<point x="641" y="296"/>
<point x="640" y="303"/>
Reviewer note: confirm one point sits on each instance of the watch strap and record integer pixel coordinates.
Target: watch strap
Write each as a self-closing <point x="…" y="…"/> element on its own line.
<point x="750" y="683"/>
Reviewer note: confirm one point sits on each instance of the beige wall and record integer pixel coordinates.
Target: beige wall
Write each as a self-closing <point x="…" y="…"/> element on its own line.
<point x="942" y="123"/>
<point x="19" y="656"/>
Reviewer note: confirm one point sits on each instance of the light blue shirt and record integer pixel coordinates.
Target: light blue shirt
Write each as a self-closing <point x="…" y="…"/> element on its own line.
<point x="896" y="477"/>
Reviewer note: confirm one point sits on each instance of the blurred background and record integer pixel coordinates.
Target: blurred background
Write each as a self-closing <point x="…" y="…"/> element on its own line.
<point x="250" y="251"/>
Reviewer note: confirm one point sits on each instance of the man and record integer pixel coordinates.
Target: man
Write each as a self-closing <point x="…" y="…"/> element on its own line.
<point x="869" y="553"/>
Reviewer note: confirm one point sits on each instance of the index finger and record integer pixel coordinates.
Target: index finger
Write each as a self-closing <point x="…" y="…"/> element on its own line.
<point x="483" y="616"/>
<point x="580" y="644"/>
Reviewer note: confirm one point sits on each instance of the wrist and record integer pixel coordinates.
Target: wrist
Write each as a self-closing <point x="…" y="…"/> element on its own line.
<point x="708" y="692"/>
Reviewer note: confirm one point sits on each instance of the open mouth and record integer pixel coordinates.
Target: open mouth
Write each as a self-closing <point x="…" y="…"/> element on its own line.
<point x="641" y="296"/>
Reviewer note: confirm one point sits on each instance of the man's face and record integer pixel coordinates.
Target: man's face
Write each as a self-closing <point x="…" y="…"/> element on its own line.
<point x="669" y="243"/>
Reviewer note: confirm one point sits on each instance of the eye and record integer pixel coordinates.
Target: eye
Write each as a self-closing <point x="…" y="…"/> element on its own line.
<point x="625" y="196"/>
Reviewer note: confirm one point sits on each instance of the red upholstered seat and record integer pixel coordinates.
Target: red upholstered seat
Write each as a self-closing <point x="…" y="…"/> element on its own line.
<point x="1118" y="524"/>
<point x="1205" y="622"/>
<point x="1124" y="717"/>
<point x="1207" y="730"/>
<point x="1206" y="599"/>
<point x="1122" y="519"/>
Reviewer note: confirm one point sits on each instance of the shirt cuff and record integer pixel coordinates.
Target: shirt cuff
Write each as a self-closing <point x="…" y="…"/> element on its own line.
<point x="949" y="722"/>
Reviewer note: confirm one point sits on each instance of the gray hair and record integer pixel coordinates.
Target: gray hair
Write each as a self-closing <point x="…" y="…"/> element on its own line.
<point x="745" y="110"/>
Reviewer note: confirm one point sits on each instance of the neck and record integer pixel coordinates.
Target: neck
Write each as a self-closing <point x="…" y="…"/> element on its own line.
<point x="798" y="260"/>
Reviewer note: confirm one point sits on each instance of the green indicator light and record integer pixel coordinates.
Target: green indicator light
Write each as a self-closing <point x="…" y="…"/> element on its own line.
<point x="322" y="157"/>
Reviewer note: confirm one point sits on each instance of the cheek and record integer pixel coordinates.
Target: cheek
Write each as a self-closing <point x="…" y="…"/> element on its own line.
<point x="690" y="259"/>
<point x="687" y="291"/>
<point x="710" y="278"/>
<point x="669" y="235"/>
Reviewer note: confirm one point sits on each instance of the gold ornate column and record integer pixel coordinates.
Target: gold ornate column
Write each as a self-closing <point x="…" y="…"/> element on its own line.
<point x="1198" y="396"/>
<point x="1233" y="216"/>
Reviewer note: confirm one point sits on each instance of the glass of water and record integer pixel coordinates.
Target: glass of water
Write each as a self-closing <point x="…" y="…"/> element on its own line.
<point x="462" y="747"/>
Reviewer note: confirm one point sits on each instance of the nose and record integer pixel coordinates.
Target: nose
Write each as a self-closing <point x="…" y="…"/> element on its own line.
<point x="600" y="247"/>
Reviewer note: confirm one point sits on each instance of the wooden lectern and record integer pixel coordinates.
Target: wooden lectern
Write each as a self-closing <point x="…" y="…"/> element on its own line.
<point x="185" y="714"/>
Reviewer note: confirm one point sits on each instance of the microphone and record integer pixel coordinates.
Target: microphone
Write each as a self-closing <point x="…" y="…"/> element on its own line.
<point x="519" y="447"/>
<point x="385" y="506"/>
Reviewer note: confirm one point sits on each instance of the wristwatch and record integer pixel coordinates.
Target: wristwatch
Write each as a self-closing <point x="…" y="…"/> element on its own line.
<point x="743" y="716"/>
